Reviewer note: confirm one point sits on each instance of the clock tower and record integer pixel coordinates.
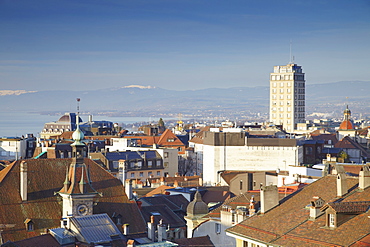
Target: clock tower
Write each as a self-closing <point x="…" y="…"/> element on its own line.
<point x="77" y="192"/>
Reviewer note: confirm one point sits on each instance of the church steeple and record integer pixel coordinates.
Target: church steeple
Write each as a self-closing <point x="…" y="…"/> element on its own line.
<point x="77" y="191"/>
<point x="347" y="122"/>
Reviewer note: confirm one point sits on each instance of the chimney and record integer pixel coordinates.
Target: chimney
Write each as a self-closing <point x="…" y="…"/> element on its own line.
<point x="23" y="180"/>
<point x="269" y="197"/>
<point x="151" y="229"/>
<point x="131" y="243"/>
<point x="200" y="181"/>
<point x="364" y="177"/>
<point x="126" y="229"/>
<point x="341" y="184"/>
<point x="252" y="203"/>
<point x="162" y="233"/>
<point x="316" y="204"/>
<point x="128" y="189"/>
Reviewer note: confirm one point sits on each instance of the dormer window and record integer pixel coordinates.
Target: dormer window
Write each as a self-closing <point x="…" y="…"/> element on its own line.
<point x="339" y="212"/>
<point x="30" y="226"/>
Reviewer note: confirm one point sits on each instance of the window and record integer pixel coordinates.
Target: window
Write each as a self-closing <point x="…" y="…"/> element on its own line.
<point x="179" y="149"/>
<point x="132" y="174"/>
<point x="165" y="155"/>
<point x="150" y="174"/>
<point x="139" y="164"/>
<point x="132" y="164"/>
<point x="331" y="220"/>
<point x="241" y="184"/>
<point x="218" y="228"/>
<point x="158" y="173"/>
<point x="158" y="163"/>
<point x="141" y="174"/>
<point x="150" y="163"/>
<point x="115" y="164"/>
<point x="170" y="140"/>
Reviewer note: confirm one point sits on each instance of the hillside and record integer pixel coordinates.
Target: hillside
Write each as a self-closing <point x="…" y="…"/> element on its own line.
<point x="213" y="102"/>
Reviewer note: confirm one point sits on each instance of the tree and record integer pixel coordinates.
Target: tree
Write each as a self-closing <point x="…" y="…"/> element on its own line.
<point x="161" y="122"/>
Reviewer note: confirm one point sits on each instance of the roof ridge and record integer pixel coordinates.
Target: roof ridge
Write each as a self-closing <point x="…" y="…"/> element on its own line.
<point x="4" y="172"/>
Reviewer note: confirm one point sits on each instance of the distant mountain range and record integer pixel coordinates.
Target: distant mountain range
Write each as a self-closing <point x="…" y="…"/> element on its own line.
<point x="135" y="100"/>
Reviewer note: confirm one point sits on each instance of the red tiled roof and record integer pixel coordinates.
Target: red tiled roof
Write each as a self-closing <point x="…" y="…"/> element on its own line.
<point x="289" y="221"/>
<point x="162" y="140"/>
<point x="348" y="207"/>
<point x="346" y="125"/>
<point x="44" y="208"/>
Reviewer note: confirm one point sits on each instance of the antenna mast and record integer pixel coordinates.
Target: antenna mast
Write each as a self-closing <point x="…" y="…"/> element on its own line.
<point x="290" y="52"/>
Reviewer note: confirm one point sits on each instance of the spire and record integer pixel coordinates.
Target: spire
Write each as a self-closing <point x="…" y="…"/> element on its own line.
<point x="78" y="135"/>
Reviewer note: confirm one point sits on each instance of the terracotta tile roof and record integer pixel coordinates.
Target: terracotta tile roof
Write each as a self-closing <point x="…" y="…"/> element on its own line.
<point x="348" y="207"/>
<point x="240" y="200"/>
<point x="159" y="190"/>
<point x="365" y="241"/>
<point x="216" y="196"/>
<point x="288" y="224"/>
<point x="44" y="208"/>
<point x="204" y="241"/>
<point x="198" y="137"/>
<point x="346" y="125"/>
<point x="162" y="140"/>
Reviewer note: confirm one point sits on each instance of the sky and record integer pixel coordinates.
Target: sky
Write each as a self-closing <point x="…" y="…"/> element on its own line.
<point x="179" y="44"/>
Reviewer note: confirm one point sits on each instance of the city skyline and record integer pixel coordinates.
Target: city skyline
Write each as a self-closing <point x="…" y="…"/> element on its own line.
<point x="179" y="45"/>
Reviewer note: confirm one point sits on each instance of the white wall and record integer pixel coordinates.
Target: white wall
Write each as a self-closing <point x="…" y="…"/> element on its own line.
<point x="12" y="149"/>
<point x="209" y="228"/>
<point x="247" y="158"/>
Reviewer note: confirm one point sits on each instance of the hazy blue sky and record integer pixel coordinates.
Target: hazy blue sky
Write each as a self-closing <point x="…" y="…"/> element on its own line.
<point x="179" y="44"/>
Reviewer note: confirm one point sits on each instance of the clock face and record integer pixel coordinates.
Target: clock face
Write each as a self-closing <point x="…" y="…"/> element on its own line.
<point x="82" y="209"/>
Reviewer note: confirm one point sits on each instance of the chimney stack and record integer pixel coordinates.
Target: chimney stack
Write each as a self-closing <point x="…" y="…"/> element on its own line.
<point x="269" y="197"/>
<point x="342" y="187"/>
<point x="364" y="177"/>
<point x="316" y="204"/>
<point x="162" y="234"/>
<point x="128" y="189"/>
<point x="126" y="229"/>
<point x="252" y="203"/>
<point x="23" y="180"/>
<point x="151" y="229"/>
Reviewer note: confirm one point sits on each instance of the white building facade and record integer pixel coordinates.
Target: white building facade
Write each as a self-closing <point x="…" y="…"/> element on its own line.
<point x="224" y="151"/>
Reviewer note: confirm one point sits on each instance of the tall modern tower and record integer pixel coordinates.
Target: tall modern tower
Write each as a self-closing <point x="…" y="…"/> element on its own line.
<point x="287" y="96"/>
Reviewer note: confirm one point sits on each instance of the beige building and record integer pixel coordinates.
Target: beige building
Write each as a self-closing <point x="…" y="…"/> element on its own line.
<point x="287" y="96"/>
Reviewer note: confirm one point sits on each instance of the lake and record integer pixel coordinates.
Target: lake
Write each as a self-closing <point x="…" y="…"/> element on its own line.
<point x="22" y="123"/>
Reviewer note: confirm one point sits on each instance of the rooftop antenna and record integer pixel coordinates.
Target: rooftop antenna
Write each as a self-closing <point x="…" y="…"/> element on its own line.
<point x="290" y="52"/>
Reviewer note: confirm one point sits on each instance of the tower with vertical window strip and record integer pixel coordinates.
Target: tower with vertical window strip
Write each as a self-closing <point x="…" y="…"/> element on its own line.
<point x="287" y="96"/>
